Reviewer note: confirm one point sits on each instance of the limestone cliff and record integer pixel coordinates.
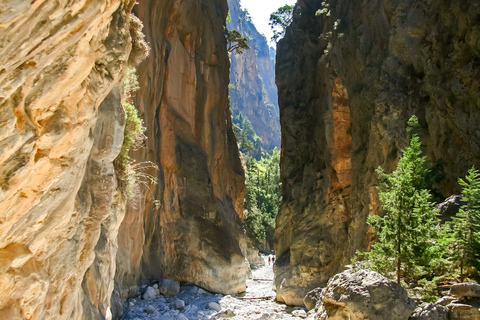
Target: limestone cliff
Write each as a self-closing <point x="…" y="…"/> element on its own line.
<point x="350" y="74"/>
<point x="252" y="74"/>
<point x="187" y="227"/>
<point x="61" y="126"/>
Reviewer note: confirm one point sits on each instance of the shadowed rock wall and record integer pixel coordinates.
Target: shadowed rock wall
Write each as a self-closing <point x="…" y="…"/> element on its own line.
<point x="187" y="227"/>
<point x="59" y="204"/>
<point x="350" y="74"/>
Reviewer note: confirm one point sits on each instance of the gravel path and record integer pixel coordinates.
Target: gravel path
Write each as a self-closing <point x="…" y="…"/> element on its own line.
<point x="193" y="303"/>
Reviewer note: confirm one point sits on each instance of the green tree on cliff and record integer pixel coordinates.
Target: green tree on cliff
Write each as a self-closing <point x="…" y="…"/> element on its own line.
<point x="464" y="229"/>
<point x="280" y="20"/>
<point x="407" y="232"/>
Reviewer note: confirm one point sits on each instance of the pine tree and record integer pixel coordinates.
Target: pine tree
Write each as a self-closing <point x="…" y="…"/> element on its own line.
<point x="465" y="226"/>
<point x="406" y="230"/>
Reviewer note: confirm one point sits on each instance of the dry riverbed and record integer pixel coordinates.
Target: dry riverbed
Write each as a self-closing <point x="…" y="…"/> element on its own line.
<point x="194" y="303"/>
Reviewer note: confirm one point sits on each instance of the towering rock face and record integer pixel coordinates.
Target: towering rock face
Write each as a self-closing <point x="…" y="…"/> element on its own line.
<point x="59" y="204"/>
<point x="252" y="74"/>
<point x="350" y="74"/>
<point x="188" y="226"/>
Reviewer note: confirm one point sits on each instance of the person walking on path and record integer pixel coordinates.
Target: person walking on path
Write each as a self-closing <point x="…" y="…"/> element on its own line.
<point x="269" y="260"/>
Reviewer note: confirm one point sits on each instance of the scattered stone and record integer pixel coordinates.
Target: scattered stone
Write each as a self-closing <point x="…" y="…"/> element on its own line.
<point x="299" y="313"/>
<point x="181" y="317"/>
<point x="446" y="300"/>
<point x="312" y="298"/>
<point x="149" y="309"/>
<point x="149" y="294"/>
<point x="214" y="306"/>
<point x="155" y="286"/>
<point x="131" y="304"/>
<point x="179" y="304"/>
<point x="457" y="311"/>
<point x="364" y="295"/>
<point x="228" y="313"/>
<point x="201" y="291"/>
<point x="169" y="288"/>
<point x="193" y="290"/>
<point x="428" y="311"/>
<point x="467" y="289"/>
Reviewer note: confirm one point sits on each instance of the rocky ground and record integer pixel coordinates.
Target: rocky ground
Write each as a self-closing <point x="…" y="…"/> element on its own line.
<point x="193" y="303"/>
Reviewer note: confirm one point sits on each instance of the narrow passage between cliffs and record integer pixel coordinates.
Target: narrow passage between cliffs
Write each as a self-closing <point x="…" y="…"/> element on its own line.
<point x="194" y="303"/>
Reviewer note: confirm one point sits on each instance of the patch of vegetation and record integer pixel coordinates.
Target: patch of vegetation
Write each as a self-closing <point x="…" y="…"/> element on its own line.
<point x="236" y="42"/>
<point x="262" y="179"/>
<point x="412" y="245"/>
<point x="280" y="20"/>
<point x="130" y="174"/>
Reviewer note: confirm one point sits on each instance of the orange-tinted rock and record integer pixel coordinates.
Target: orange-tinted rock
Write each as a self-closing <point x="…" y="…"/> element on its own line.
<point x="59" y="207"/>
<point x="187" y="227"/>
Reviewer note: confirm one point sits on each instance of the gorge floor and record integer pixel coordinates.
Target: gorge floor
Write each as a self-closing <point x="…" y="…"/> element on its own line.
<point x="258" y="302"/>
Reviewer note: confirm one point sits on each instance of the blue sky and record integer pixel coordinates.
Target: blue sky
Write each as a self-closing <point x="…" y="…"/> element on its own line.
<point x="260" y="11"/>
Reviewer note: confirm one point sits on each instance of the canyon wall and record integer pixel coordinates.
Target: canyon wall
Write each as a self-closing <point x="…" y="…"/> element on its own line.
<point x="350" y="74"/>
<point x="252" y="75"/>
<point x="188" y="226"/>
<point x="61" y="127"/>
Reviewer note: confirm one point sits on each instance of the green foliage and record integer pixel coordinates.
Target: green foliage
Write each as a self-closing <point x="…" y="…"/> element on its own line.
<point x="236" y="43"/>
<point x="262" y="178"/>
<point x="463" y="232"/>
<point x="280" y="20"/>
<point x="407" y="233"/>
<point x="231" y="86"/>
<point x="129" y="174"/>
<point x="248" y="141"/>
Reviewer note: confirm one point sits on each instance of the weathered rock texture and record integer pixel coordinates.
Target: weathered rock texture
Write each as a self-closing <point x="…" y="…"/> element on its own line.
<point x="253" y="75"/>
<point x="187" y="227"/>
<point x="59" y="204"/>
<point x="364" y="295"/>
<point x="350" y="74"/>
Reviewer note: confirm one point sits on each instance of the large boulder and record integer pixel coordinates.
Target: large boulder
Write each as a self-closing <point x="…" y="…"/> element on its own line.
<point x="467" y="289"/>
<point x="429" y="311"/>
<point x="364" y="295"/>
<point x="457" y="311"/>
<point x="449" y="208"/>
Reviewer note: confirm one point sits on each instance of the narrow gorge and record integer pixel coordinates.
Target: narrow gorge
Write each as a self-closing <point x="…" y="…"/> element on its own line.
<point x="81" y="240"/>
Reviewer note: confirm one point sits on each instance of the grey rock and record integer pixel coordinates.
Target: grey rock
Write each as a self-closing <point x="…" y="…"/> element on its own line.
<point x="179" y="304"/>
<point x="214" y="306"/>
<point x="265" y="316"/>
<point x="312" y="298"/>
<point x="149" y="294"/>
<point x="169" y="287"/>
<point x="181" y="317"/>
<point x="446" y="300"/>
<point x="364" y="295"/>
<point x="299" y="313"/>
<point x="467" y="289"/>
<point x="428" y="311"/>
<point x="149" y="309"/>
<point x="449" y="208"/>
<point x="457" y="311"/>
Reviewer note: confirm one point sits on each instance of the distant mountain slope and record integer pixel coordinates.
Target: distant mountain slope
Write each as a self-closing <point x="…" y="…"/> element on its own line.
<point x="253" y="75"/>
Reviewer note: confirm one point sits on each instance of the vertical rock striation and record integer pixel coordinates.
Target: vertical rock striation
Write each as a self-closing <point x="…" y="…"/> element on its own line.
<point x="187" y="227"/>
<point x="59" y="205"/>
<point x="253" y="75"/>
<point x="350" y="74"/>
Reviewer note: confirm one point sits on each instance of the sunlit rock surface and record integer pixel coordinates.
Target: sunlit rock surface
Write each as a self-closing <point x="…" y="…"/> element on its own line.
<point x="349" y="75"/>
<point x="253" y="75"/>
<point x="188" y="226"/>
<point x="59" y="204"/>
